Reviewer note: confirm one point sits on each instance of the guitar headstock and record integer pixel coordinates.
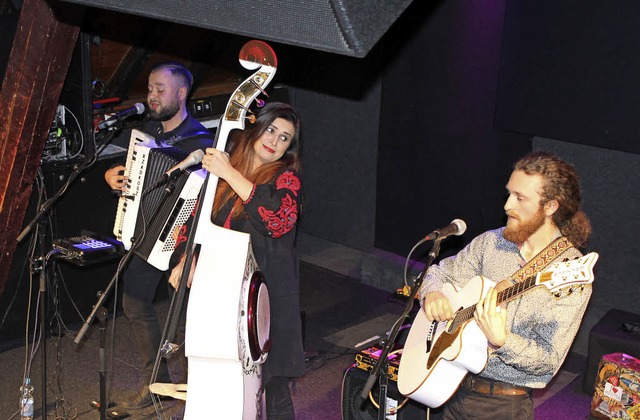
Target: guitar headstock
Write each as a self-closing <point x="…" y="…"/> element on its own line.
<point x="254" y="55"/>
<point x="566" y="273"/>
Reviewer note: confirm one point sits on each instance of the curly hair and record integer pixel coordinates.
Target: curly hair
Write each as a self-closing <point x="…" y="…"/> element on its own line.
<point x="561" y="182"/>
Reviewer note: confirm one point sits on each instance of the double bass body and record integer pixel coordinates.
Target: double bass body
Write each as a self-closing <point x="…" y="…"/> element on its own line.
<point x="227" y="330"/>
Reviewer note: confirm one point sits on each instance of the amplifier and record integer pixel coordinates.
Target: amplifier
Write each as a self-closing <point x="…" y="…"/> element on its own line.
<point x="355" y="408"/>
<point x="367" y="358"/>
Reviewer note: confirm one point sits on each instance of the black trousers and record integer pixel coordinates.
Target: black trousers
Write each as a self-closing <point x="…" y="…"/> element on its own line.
<point x="141" y="282"/>
<point x="278" y="399"/>
<point x="470" y="405"/>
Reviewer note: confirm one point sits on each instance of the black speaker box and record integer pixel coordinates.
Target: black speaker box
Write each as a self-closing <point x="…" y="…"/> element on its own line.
<point x="350" y="27"/>
<point x="354" y="408"/>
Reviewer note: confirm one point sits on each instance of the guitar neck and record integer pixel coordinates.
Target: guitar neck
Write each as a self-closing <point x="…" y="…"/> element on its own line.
<point x="516" y="290"/>
<point x="503" y="297"/>
<point x="562" y="274"/>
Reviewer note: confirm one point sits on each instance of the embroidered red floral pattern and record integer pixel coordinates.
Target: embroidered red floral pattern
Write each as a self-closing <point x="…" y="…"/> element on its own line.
<point x="253" y="192"/>
<point x="290" y="181"/>
<point x="284" y="219"/>
<point x="182" y="235"/>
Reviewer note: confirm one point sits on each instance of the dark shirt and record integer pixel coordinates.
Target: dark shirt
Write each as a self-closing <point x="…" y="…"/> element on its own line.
<point x="190" y="135"/>
<point x="270" y="217"/>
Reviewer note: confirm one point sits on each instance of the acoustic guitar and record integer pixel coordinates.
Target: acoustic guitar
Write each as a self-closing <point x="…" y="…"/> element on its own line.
<point x="437" y="355"/>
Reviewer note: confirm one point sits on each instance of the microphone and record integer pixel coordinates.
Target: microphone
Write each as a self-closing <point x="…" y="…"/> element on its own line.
<point x="136" y="109"/>
<point x="456" y="227"/>
<point x="194" y="158"/>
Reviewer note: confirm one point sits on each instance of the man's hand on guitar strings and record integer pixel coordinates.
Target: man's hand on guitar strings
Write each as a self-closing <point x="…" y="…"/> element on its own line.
<point x="437" y="307"/>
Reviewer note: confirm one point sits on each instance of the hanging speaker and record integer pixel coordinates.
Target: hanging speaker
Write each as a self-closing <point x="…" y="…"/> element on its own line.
<point x="355" y="408"/>
<point x="349" y="27"/>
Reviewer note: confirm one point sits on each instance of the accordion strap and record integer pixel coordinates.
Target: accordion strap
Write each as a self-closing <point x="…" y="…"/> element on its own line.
<point x="195" y="135"/>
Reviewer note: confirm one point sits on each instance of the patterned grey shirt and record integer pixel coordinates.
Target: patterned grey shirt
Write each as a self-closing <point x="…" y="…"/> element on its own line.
<point x="540" y="326"/>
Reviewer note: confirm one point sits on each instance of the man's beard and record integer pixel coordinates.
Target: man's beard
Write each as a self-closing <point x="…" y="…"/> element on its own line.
<point x="520" y="233"/>
<point x="166" y="113"/>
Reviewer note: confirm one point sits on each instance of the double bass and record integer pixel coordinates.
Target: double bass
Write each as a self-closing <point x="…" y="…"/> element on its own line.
<point x="227" y="327"/>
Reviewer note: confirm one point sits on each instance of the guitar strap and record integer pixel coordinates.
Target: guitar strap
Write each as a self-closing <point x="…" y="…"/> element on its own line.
<point x="543" y="259"/>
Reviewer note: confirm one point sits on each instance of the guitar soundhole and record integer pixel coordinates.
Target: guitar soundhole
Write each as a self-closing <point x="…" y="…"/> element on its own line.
<point x="258" y="313"/>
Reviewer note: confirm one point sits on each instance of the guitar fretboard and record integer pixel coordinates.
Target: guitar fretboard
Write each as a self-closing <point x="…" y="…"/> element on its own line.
<point x="504" y="296"/>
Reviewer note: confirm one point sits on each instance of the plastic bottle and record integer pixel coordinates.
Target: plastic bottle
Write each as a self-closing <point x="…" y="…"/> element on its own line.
<point x="26" y="400"/>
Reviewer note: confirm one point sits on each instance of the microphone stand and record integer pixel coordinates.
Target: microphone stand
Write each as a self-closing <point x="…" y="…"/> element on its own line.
<point x="167" y="347"/>
<point x="125" y="259"/>
<point x="40" y="219"/>
<point x="99" y="308"/>
<point x="381" y="368"/>
<point x="102" y="318"/>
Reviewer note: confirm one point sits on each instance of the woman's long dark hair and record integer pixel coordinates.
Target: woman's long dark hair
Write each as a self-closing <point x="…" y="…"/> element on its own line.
<point x="241" y="153"/>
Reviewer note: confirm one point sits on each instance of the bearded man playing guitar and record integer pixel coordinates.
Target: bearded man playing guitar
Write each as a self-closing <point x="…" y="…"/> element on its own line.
<point x="529" y="338"/>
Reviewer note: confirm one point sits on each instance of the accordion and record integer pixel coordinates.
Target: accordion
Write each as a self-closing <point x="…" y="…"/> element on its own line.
<point x="148" y="214"/>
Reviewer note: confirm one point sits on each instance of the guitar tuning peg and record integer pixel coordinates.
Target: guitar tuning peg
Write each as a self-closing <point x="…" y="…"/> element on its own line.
<point x="251" y="118"/>
<point x="260" y="102"/>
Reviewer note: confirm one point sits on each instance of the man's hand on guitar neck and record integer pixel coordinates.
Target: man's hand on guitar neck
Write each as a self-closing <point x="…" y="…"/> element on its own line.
<point x="491" y="319"/>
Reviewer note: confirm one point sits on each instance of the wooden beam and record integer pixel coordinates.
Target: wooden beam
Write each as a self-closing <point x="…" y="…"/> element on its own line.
<point x="38" y="63"/>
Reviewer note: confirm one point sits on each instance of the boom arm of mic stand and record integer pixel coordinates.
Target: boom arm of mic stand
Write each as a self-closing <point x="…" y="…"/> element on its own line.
<point x="393" y="334"/>
<point x="122" y="264"/>
<point x="103" y="296"/>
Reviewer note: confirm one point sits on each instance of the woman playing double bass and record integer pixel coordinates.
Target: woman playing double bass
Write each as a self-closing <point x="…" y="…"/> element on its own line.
<point x="259" y="193"/>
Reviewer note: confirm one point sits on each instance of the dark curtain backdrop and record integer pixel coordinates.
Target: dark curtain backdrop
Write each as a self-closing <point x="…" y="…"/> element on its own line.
<point x="439" y="156"/>
<point x="570" y="72"/>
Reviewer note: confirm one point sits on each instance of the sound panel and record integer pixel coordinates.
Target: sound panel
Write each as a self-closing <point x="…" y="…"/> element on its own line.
<point x="354" y="408"/>
<point x="439" y="157"/>
<point x="569" y="71"/>
<point x="349" y="27"/>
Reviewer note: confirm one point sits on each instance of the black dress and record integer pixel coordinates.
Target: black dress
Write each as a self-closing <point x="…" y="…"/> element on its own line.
<point x="270" y="217"/>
